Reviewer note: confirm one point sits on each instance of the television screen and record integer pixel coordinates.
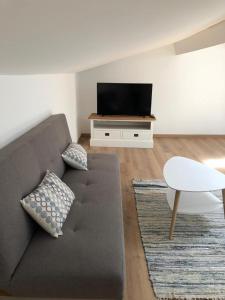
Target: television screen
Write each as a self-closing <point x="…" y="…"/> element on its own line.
<point x="124" y="99"/>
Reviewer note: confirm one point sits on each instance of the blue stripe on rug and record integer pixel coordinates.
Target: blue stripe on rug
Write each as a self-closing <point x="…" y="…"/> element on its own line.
<point x="192" y="265"/>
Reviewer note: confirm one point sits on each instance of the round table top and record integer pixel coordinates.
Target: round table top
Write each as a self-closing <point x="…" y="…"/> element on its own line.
<point x="184" y="174"/>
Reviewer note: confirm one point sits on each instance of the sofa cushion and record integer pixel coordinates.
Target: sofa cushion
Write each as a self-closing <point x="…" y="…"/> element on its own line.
<point x="75" y="156"/>
<point x="16" y="227"/>
<point x="91" y="246"/>
<point x="49" y="204"/>
<point x="23" y="164"/>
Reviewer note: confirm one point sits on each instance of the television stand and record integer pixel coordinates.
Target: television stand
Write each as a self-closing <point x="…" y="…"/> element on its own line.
<point x="121" y="131"/>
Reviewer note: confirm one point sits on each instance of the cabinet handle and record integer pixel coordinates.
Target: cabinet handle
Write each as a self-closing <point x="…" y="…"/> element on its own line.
<point x="106" y="134"/>
<point x="136" y="134"/>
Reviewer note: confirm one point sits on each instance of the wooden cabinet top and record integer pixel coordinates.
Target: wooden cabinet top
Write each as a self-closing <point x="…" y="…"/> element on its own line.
<point x="95" y="116"/>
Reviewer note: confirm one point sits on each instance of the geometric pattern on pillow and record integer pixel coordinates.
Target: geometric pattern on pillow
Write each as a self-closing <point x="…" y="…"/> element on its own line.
<point x="60" y="188"/>
<point x="75" y="156"/>
<point x="78" y="147"/>
<point x="47" y="205"/>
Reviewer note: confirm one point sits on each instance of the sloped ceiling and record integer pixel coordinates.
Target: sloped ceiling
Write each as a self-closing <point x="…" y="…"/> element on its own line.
<point x="55" y="36"/>
<point x="209" y="37"/>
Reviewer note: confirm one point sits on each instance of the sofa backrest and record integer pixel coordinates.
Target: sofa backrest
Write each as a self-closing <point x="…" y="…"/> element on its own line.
<point x="23" y="164"/>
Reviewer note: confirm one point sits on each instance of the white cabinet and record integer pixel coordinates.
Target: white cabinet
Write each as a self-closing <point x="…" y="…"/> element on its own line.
<point x="121" y="131"/>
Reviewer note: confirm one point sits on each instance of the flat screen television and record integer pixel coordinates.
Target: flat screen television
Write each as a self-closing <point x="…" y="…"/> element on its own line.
<point x="133" y="99"/>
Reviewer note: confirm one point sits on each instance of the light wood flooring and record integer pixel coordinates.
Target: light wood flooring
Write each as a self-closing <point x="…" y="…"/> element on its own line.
<point x="148" y="164"/>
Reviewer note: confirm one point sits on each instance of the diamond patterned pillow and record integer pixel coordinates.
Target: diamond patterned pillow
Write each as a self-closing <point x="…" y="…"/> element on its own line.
<point x="49" y="204"/>
<point x="75" y="156"/>
<point x="60" y="188"/>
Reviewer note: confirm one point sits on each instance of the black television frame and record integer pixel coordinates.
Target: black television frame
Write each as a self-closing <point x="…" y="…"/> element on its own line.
<point x="146" y="111"/>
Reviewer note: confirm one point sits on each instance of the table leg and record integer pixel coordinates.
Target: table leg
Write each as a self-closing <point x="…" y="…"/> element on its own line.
<point x="223" y="193"/>
<point x="174" y="214"/>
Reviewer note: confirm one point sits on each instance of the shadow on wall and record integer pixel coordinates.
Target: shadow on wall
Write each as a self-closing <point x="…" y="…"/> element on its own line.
<point x="11" y="133"/>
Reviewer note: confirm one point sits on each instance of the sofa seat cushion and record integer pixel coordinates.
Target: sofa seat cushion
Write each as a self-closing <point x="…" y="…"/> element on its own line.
<point x="87" y="261"/>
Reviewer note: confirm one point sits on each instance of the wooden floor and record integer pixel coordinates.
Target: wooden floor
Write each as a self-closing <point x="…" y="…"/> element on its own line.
<point x="148" y="164"/>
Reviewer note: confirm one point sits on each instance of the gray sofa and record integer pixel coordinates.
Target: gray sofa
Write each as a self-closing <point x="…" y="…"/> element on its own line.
<point x="88" y="260"/>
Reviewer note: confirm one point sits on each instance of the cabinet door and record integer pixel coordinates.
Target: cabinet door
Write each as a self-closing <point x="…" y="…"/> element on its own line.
<point x="107" y="134"/>
<point x="137" y="134"/>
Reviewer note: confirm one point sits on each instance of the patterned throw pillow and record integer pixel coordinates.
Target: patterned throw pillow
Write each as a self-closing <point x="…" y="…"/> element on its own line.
<point x="49" y="204"/>
<point x="60" y="188"/>
<point x="75" y="156"/>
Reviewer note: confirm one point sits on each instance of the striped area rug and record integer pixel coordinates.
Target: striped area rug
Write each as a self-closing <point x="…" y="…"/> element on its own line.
<point x="192" y="265"/>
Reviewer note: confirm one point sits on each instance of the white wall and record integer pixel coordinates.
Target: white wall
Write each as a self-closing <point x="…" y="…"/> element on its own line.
<point x="188" y="89"/>
<point x="27" y="100"/>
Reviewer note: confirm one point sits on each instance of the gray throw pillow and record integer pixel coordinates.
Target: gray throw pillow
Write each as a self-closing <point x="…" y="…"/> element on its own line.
<point x="49" y="204"/>
<point x="75" y="156"/>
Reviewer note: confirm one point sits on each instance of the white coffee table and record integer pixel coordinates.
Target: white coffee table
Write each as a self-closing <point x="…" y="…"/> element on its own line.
<point x="192" y="183"/>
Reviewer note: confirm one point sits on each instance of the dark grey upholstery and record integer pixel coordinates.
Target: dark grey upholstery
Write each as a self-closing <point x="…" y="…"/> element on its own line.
<point x="88" y="260"/>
